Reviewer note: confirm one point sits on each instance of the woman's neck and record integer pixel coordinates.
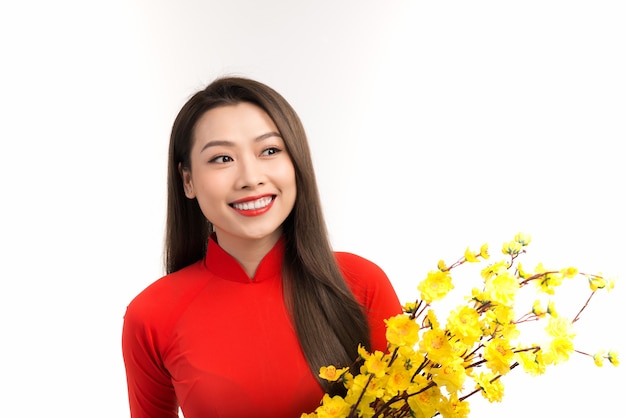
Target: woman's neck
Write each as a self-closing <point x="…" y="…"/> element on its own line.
<point x="248" y="252"/>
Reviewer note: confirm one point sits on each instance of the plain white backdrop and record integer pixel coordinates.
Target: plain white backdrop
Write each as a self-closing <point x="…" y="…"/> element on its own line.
<point x="434" y="126"/>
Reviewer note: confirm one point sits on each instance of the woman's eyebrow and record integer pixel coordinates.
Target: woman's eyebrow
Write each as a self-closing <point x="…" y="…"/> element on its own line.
<point x="267" y="135"/>
<point x="217" y="143"/>
<point x="226" y="143"/>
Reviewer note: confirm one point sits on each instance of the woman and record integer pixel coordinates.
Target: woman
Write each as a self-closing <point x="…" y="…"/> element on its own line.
<point x="255" y="301"/>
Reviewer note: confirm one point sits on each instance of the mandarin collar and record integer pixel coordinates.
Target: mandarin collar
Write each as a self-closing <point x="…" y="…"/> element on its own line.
<point x="226" y="267"/>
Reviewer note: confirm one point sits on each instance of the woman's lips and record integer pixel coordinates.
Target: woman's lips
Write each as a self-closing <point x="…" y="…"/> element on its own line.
<point x="254" y="207"/>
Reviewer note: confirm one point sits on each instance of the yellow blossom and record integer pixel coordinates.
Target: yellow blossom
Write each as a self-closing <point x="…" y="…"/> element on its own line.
<point x="559" y="350"/>
<point x="509" y="331"/>
<point x="331" y="373"/>
<point x="362" y="390"/>
<point x="569" y="272"/>
<point x="610" y="284"/>
<point x="538" y="310"/>
<point x="470" y="256"/>
<point x="374" y="388"/>
<point x="522" y="238"/>
<point x="399" y="379"/>
<point x="460" y="348"/>
<point x="435" y="286"/>
<point x="479" y="296"/>
<point x="424" y="402"/>
<point x="532" y="361"/>
<point x="499" y="318"/>
<point x="500" y="314"/>
<point x="597" y="282"/>
<point x="499" y="355"/>
<point x="453" y="407"/>
<point x="402" y="330"/>
<point x="492" y="388"/>
<point x="521" y="273"/>
<point x="484" y="251"/>
<point x="427" y="366"/>
<point x="409" y="307"/>
<point x="410" y="358"/>
<point x="561" y="345"/>
<point x="375" y="364"/>
<point x="347" y="379"/>
<point x="464" y="323"/>
<point x="435" y="344"/>
<point x="492" y="269"/>
<point x="560" y="327"/>
<point x="598" y="358"/>
<point x="450" y="375"/>
<point x="430" y="320"/>
<point x="441" y="265"/>
<point x="502" y="288"/>
<point x="335" y="407"/>
<point x="540" y="269"/>
<point x="355" y="396"/>
<point x="363" y="353"/>
<point x="512" y="247"/>
<point x="547" y="282"/>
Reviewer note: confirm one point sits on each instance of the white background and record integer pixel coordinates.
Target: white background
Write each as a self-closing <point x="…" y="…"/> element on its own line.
<point x="434" y="126"/>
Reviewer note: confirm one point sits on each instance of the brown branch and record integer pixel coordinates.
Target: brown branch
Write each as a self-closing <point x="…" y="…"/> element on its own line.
<point x="356" y="404"/>
<point x="514" y="365"/>
<point x="577" y="317"/>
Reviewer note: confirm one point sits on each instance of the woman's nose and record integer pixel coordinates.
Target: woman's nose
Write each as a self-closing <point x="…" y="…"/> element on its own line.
<point x="250" y="174"/>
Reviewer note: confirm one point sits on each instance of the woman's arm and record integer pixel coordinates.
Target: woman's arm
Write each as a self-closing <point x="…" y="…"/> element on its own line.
<point x="150" y="390"/>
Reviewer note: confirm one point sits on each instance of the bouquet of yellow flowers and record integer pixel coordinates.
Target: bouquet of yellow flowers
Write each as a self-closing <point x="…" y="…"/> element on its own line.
<point x="431" y="368"/>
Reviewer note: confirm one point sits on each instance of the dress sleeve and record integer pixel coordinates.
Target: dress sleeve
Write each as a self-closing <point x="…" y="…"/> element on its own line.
<point x="150" y="390"/>
<point x="374" y="291"/>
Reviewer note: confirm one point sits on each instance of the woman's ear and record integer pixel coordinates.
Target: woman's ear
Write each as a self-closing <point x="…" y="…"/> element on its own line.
<point x="185" y="174"/>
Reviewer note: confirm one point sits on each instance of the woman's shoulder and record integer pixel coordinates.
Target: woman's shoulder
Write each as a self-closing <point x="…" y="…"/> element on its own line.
<point x="354" y="265"/>
<point x="372" y="288"/>
<point x="167" y="294"/>
<point x="360" y="273"/>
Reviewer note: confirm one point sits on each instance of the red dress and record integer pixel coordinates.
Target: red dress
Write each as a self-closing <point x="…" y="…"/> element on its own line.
<point x="219" y="344"/>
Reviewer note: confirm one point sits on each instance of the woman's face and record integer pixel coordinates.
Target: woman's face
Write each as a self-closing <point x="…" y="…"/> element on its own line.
<point x="241" y="174"/>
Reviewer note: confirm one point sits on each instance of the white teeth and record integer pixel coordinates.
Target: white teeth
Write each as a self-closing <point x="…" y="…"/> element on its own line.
<point x="256" y="204"/>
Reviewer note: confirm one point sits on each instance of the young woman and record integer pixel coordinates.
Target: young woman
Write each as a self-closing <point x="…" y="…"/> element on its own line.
<point x="255" y="301"/>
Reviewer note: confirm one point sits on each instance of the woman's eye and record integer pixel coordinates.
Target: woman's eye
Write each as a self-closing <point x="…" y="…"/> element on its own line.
<point x="270" y="151"/>
<point x="220" y="159"/>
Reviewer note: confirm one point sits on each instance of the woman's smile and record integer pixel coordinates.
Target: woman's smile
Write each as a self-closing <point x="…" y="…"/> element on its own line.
<point x="254" y="206"/>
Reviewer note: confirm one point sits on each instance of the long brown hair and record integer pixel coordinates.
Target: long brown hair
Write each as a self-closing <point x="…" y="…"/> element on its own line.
<point x="329" y="321"/>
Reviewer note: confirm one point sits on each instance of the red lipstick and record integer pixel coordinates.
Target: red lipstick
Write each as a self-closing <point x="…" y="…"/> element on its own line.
<point x="253" y="205"/>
